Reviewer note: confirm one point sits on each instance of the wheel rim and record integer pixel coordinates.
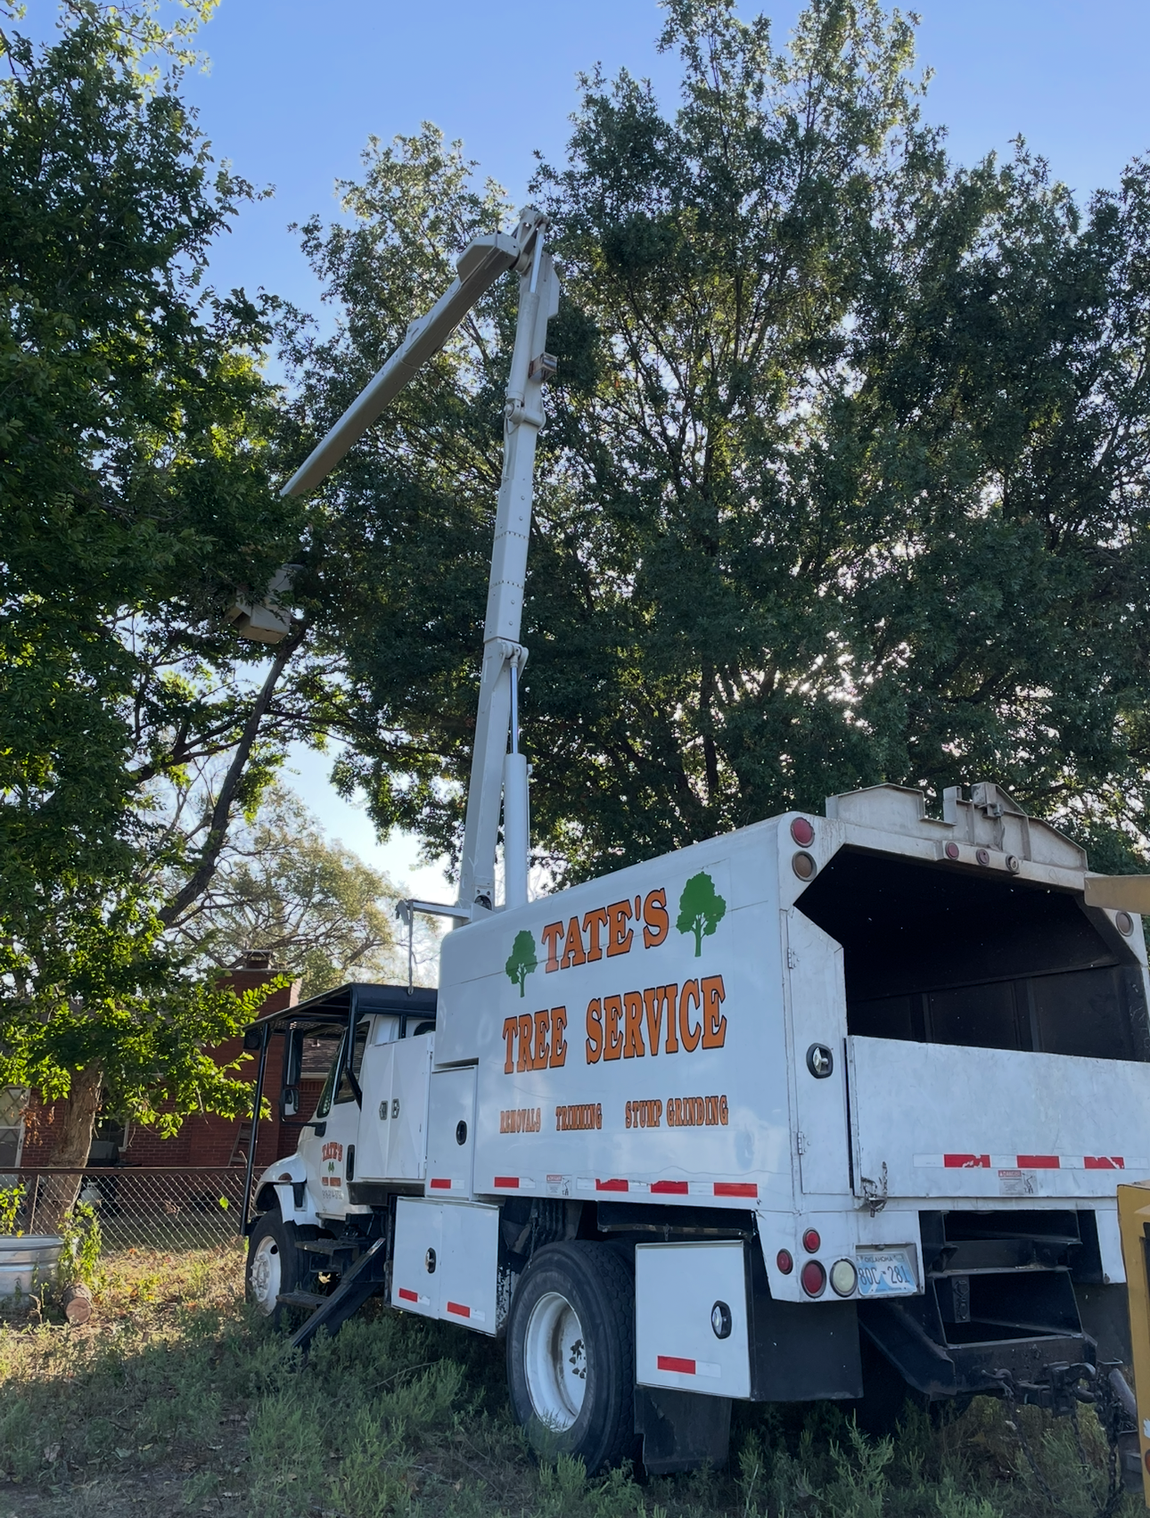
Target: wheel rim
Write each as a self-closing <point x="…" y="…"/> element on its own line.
<point x="266" y="1273"/>
<point x="555" y="1361"/>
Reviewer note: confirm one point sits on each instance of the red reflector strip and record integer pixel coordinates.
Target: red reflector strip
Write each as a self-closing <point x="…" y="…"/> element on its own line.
<point x="669" y="1188"/>
<point x="408" y="1296"/>
<point x="439" y="1184"/>
<point x="459" y="1309"/>
<point x="610" y="1185"/>
<point x="1038" y="1162"/>
<point x="1103" y="1162"/>
<point x="736" y="1188"/>
<point x="966" y="1161"/>
<point x="672" y="1362"/>
<point x="507" y="1182"/>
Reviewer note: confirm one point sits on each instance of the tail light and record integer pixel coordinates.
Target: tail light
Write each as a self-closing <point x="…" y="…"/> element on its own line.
<point x="814" y="1278"/>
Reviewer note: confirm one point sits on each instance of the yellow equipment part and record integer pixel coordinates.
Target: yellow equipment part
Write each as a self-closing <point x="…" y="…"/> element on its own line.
<point x="1134" y="1222"/>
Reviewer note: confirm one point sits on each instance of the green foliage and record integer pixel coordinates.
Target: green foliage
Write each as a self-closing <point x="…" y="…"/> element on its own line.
<point x="522" y="960"/>
<point x="135" y="454"/>
<point x="701" y="909"/>
<point x="11" y="1199"/>
<point x="83" y="1245"/>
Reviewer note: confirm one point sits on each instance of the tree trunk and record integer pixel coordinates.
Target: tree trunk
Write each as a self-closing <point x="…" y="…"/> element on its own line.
<point x="57" y="1194"/>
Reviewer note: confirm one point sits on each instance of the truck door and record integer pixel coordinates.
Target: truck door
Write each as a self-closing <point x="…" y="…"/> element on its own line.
<point x="395" y="1081"/>
<point x="816" y="1021"/>
<point x="329" y="1145"/>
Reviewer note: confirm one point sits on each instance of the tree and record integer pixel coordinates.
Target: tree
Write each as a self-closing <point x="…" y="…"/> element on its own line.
<point x="844" y="479"/>
<point x="701" y="909"/>
<point x="136" y="433"/>
<point x="318" y="910"/>
<point x="522" y="960"/>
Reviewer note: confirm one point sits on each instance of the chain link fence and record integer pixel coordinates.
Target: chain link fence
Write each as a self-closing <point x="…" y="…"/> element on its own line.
<point x="137" y="1207"/>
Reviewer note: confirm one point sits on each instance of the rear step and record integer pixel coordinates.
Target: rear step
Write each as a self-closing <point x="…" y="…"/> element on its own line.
<point x="357" y="1284"/>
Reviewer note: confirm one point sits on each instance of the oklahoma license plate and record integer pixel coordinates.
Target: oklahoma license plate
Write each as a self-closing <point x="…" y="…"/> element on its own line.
<point x="885" y="1273"/>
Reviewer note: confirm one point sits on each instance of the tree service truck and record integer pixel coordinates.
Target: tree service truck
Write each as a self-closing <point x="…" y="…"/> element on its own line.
<point x="821" y="1105"/>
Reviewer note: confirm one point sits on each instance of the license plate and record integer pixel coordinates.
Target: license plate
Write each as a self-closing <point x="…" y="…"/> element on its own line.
<point x="886" y="1273"/>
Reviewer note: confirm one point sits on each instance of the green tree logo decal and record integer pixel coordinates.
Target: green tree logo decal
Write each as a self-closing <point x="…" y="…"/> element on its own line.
<point x="701" y="909"/>
<point x="522" y="959"/>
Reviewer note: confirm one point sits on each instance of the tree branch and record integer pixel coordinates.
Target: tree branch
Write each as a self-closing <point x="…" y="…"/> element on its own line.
<point x="201" y="877"/>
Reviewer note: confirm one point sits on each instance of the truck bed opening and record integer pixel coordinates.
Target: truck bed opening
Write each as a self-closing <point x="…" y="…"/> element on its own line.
<point x="933" y="954"/>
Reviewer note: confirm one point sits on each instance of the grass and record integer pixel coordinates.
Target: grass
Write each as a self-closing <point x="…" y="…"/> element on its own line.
<point x="175" y="1399"/>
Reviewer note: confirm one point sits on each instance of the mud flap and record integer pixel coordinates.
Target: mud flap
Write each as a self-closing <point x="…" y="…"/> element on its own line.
<point x="681" y="1430"/>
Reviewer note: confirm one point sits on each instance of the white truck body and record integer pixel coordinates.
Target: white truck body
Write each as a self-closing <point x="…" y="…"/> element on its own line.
<point x="689" y="1036"/>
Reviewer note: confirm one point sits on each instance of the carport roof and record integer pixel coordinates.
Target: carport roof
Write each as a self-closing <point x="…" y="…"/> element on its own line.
<point x="358" y="996"/>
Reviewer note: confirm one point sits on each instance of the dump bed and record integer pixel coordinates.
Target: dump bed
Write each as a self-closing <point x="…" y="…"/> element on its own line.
<point x="994" y="1028"/>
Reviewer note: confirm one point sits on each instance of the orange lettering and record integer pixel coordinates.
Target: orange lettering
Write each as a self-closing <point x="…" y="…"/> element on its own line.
<point x="689" y="1035"/>
<point x="654" y="1000"/>
<point x="670" y="995"/>
<point x="510" y="1024"/>
<point x="657" y="924"/>
<point x="592" y="925"/>
<point x="551" y="935"/>
<point x="633" y="1029"/>
<point x="714" y="1023"/>
<point x="594" y="1031"/>
<point x="573" y="947"/>
<point x="619" y="941"/>
<point x="542" y="1027"/>
<point x="558" y="1042"/>
<point x="526" y="1027"/>
<point x="612" y="1038"/>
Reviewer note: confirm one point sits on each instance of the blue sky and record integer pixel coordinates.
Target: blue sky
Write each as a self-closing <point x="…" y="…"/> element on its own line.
<point x="296" y="87"/>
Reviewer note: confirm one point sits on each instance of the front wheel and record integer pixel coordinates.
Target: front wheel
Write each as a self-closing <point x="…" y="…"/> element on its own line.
<point x="273" y="1262"/>
<point x="571" y="1353"/>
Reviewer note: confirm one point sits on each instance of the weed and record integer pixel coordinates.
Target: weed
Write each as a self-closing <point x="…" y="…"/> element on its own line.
<point x="80" y="1256"/>
<point x="11" y="1198"/>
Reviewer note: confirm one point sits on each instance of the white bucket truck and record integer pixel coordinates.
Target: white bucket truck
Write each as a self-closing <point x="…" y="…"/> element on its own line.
<point x="815" y="1102"/>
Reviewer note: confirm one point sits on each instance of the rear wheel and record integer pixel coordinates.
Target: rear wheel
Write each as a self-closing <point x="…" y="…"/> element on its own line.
<point x="571" y="1353"/>
<point x="273" y="1262"/>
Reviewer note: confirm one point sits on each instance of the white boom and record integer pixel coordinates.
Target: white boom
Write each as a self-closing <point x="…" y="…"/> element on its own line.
<point x="496" y="772"/>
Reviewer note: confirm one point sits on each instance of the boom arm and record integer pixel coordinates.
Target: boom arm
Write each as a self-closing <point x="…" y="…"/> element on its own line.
<point x="495" y="773"/>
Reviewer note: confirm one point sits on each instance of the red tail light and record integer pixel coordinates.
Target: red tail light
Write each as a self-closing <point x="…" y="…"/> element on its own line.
<point x="814" y="1279"/>
<point x="811" y="1240"/>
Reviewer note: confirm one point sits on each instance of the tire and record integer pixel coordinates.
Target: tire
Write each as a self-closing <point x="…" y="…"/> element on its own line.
<point x="273" y="1263"/>
<point x="571" y="1353"/>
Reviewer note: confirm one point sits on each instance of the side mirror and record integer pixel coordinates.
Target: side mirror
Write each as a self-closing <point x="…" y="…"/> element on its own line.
<point x="289" y="1101"/>
<point x="253" y="1039"/>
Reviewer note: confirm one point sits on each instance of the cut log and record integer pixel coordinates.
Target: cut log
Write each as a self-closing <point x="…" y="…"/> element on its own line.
<point x="77" y="1303"/>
